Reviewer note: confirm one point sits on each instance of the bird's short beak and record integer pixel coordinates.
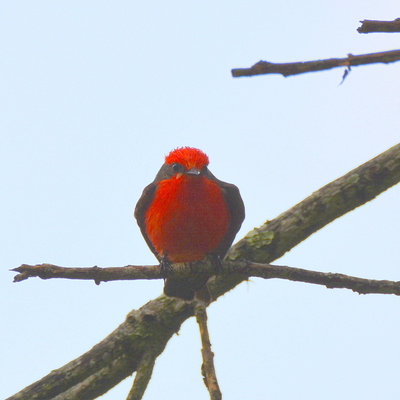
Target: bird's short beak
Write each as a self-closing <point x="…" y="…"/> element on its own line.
<point x="193" y="171"/>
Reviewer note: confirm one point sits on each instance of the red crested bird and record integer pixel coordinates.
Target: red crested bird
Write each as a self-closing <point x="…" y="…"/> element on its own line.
<point x="186" y="214"/>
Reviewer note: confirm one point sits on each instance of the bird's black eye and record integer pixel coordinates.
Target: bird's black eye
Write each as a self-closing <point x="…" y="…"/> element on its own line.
<point x="177" y="167"/>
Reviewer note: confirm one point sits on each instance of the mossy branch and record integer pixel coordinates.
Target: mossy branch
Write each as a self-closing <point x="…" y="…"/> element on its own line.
<point x="143" y="376"/>
<point x="116" y="357"/>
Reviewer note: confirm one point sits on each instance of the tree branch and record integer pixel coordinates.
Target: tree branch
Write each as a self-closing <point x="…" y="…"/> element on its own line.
<point x="370" y="26"/>
<point x="203" y="268"/>
<point x="49" y="271"/>
<point x="328" y="279"/>
<point x="208" y="369"/>
<point x="273" y="239"/>
<point x="150" y="327"/>
<point x="117" y="356"/>
<point x="143" y="376"/>
<point x="265" y="67"/>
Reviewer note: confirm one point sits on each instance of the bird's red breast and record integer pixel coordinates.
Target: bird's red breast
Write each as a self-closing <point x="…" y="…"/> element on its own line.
<point x="186" y="213"/>
<point x="187" y="218"/>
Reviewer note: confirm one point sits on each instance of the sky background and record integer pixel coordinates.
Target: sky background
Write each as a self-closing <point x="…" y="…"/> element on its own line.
<point x="93" y="94"/>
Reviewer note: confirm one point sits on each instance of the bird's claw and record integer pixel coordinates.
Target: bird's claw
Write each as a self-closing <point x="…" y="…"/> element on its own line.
<point x="217" y="264"/>
<point x="165" y="267"/>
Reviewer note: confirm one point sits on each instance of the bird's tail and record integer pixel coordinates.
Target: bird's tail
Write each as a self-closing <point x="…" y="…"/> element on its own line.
<point x="187" y="289"/>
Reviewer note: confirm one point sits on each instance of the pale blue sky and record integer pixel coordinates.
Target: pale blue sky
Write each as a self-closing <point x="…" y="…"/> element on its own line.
<point x="93" y="95"/>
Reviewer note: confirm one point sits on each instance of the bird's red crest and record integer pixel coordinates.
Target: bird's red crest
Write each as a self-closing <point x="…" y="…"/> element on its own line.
<point x="189" y="157"/>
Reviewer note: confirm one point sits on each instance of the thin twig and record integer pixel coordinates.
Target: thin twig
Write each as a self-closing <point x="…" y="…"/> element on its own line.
<point x="208" y="369"/>
<point x="50" y="271"/>
<point x="287" y="69"/>
<point x="328" y="279"/>
<point x="371" y="26"/>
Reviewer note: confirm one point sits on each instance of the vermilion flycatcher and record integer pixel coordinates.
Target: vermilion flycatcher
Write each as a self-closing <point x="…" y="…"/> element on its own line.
<point x="186" y="213"/>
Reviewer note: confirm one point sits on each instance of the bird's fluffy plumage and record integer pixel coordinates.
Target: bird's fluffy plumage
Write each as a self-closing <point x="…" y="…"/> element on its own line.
<point x="184" y="216"/>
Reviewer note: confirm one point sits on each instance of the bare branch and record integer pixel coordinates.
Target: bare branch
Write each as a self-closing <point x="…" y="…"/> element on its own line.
<point x="370" y="26"/>
<point x="48" y="271"/>
<point x="265" y="67"/>
<point x="328" y="279"/>
<point x="203" y="268"/>
<point x="208" y="369"/>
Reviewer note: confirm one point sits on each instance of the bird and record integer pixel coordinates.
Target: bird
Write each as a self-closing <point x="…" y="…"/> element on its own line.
<point x="186" y="214"/>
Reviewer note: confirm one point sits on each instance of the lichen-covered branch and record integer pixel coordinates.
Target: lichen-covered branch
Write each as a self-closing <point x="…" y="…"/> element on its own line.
<point x="274" y="238"/>
<point x="149" y="328"/>
<point x="143" y="376"/>
<point x="287" y="69"/>
<point x="116" y="357"/>
<point x="371" y="26"/>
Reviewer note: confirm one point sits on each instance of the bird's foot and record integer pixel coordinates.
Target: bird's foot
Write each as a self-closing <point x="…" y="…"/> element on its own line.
<point x="217" y="264"/>
<point x="165" y="267"/>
